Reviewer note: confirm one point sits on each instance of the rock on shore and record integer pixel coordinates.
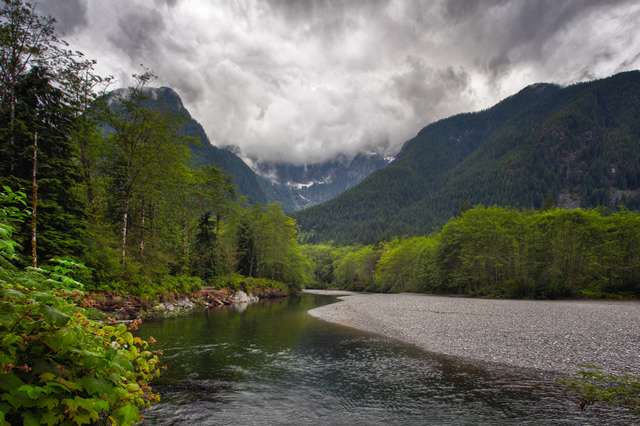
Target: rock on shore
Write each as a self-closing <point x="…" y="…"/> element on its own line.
<point x="547" y="336"/>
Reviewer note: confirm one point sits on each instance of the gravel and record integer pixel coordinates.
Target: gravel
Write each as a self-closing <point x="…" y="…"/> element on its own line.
<point x="546" y="336"/>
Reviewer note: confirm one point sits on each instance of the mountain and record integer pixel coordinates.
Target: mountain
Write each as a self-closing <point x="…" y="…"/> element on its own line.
<point x="302" y="186"/>
<point x="580" y="142"/>
<point x="246" y="181"/>
<point x="293" y="186"/>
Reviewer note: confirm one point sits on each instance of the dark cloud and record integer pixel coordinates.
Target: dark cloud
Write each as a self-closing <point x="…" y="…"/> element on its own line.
<point x="456" y="11"/>
<point x="70" y="15"/>
<point x="170" y="3"/>
<point x="305" y="81"/>
<point x="425" y="88"/>
<point x="139" y="33"/>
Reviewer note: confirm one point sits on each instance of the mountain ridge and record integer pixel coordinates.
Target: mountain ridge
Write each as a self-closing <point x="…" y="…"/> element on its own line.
<point x="545" y="137"/>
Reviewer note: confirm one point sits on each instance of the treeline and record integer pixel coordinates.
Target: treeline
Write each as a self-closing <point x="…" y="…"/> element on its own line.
<point x="111" y="181"/>
<point x="498" y="252"/>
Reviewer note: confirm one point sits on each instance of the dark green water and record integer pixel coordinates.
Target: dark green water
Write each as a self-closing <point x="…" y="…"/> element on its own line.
<point x="271" y="363"/>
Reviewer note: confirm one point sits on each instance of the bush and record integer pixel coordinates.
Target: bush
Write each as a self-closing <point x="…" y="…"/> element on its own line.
<point x="58" y="366"/>
<point x="594" y="386"/>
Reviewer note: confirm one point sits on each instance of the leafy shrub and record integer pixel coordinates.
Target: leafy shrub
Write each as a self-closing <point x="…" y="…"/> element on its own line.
<point x="58" y="366"/>
<point x="181" y="284"/>
<point x="594" y="386"/>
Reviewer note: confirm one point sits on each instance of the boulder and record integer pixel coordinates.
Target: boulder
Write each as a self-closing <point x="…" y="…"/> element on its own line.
<point x="242" y="297"/>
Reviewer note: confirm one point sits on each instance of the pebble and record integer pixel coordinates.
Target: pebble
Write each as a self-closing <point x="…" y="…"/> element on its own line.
<point x="548" y="336"/>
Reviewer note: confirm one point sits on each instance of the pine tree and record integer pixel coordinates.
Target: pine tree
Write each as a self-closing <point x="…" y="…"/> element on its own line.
<point x="548" y="202"/>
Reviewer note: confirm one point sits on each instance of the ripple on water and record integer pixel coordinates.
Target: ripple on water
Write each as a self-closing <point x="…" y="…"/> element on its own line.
<point x="330" y="375"/>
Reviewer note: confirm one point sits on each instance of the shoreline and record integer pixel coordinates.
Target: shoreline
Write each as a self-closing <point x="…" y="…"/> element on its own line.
<point x="555" y="337"/>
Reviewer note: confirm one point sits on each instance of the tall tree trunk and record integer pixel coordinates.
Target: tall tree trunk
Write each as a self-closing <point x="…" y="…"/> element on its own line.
<point x="184" y="234"/>
<point x="142" y="231"/>
<point x="125" y="213"/>
<point x="34" y="256"/>
<point x="12" y="117"/>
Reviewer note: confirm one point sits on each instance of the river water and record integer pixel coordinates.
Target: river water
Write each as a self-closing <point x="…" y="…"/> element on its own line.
<point x="271" y="363"/>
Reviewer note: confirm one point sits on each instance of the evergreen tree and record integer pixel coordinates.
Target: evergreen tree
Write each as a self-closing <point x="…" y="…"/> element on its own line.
<point x="204" y="263"/>
<point x="548" y="202"/>
<point x="40" y="110"/>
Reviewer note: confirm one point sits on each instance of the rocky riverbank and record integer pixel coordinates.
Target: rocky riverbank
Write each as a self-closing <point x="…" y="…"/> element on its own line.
<point x="546" y="336"/>
<point x="127" y="307"/>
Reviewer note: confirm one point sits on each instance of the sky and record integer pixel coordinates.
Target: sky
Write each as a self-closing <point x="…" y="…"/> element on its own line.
<point x="305" y="81"/>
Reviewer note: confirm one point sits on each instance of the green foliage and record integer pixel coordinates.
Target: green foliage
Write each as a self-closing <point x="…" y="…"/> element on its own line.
<point x="58" y="366"/>
<point x="41" y="110"/>
<point x="268" y="247"/>
<point x="548" y="203"/>
<point x="594" y="386"/>
<point x="500" y="252"/>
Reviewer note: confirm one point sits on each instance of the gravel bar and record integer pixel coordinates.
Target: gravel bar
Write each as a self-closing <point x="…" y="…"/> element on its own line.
<point x="546" y="336"/>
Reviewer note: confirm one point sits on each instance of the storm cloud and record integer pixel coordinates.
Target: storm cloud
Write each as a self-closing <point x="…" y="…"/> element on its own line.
<point x="304" y="81"/>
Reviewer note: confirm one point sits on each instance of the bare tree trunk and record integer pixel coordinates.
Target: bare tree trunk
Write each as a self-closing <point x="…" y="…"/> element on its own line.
<point x="142" y="231"/>
<point x="124" y="229"/>
<point x="125" y="215"/>
<point x="34" y="256"/>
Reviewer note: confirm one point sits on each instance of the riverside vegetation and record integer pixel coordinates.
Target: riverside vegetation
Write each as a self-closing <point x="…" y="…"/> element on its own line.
<point x="498" y="252"/>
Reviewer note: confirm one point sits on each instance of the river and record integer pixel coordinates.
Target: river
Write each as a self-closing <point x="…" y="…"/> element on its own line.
<point x="271" y="363"/>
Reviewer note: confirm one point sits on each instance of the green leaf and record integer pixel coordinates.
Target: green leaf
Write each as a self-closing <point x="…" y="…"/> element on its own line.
<point x="30" y="419"/>
<point x="10" y="381"/>
<point x="123" y="363"/>
<point x="7" y="358"/>
<point x="47" y="377"/>
<point x="96" y="386"/>
<point x="31" y="390"/>
<point x="10" y="339"/>
<point x="18" y="400"/>
<point x="63" y="339"/>
<point x="95" y="361"/>
<point x="12" y="294"/>
<point x="55" y="387"/>
<point x="43" y="297"/>
<point x="51" y="418"/>
<point x="49" y="402"/>
<point x="128" y="414"/>
<point x="53" y="316"/>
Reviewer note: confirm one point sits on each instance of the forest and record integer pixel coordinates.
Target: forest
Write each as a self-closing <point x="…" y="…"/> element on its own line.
<point x="112" y="182"/>
<point x="498" y="252"/>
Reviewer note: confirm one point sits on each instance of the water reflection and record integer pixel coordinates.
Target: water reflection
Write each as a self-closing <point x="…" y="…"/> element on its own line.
<point x="271" y="363"/>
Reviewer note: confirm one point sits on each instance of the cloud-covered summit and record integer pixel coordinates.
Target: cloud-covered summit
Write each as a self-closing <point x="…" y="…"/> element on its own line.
<point x="304" y="81"/>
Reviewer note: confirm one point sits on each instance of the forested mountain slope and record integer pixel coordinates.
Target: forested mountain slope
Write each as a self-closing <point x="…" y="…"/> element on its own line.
<point x="581" y="142"/>
<point x="244" y="178"/>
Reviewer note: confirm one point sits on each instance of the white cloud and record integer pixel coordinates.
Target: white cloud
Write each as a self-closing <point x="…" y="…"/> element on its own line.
<point x="301" y="81"/>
